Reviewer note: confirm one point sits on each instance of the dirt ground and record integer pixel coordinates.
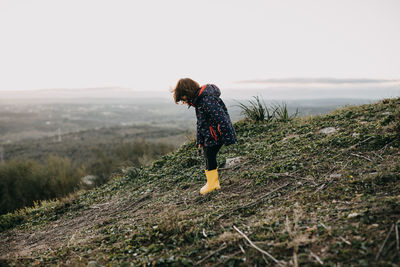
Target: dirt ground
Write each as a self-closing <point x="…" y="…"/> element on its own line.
<point x="17" y="243"/>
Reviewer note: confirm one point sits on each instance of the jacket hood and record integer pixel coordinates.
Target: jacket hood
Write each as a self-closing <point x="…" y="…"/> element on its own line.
<point x="209" y="90"/>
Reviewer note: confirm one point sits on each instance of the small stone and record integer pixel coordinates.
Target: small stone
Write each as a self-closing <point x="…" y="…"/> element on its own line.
<point x="353" y="215"/>
<point x="329" y="130"/>
<point x="231" y="162"/>
<point x="355" y="135"/>
<point x="335" y="175"/>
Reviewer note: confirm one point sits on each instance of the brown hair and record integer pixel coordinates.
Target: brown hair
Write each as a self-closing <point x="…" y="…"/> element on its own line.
<point x="185" y="87"/>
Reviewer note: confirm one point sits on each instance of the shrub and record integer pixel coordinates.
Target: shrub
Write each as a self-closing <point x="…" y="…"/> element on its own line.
<point x="22" y="182"/>
<point x="60" y="176"/>
<point x="123" y="155"/>
<point x="9" y="220"/>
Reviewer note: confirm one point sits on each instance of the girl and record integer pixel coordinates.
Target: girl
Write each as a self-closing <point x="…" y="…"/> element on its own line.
<point x="214" y="126"/>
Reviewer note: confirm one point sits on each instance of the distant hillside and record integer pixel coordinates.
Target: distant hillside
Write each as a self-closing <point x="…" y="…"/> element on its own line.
<point x="32" y="120"/>
<point x="317" y="190"/>
<point x="78" y="145"/>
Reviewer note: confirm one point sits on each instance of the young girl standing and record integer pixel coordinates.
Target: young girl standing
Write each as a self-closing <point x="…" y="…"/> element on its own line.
<point x="214" y="126"/>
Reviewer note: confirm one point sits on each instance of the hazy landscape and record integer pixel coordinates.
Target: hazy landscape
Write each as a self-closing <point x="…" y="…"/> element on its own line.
<point x="38" y="123"/>
<point x="51" y="113"/>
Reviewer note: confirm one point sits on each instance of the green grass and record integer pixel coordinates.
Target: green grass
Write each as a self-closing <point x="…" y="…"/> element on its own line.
<point x="258" y="111"/>
<point x="299" y="194"/>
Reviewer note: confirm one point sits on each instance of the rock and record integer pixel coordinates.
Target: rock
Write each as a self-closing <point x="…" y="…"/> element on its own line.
<point x="329" y="130"/>
<point x="231" y="162"/>
<point x="88" y="180"/>
<point x="353" y="215"/>
<point x="335" y="175"/>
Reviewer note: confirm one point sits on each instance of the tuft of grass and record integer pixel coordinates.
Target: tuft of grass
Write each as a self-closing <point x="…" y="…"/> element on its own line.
<point x="257" y="110"/>
<point x="282" y="113"/>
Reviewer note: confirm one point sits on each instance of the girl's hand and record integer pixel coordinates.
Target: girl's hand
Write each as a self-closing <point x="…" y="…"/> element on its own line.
<point x="199" y="146"/>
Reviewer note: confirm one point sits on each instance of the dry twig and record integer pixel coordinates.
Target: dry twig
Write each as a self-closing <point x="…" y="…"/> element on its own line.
<point x="254" y="202"/>
<point x="295" y="261"/>
<point x="209" y="256"/>
<point x="361" y="156"/>
<point x="254" y="246"/>
<point x="204" y="233"/>
<point x="344" y="240"/>
<point x="242" y="249"/>
<point x="323" y="225"/>
<point x="359" y="143"/>
<point x="317" y="258"/>
<point x="377" y="155"/>
<point x="325" y="185"/>
<point x="262" y="197"/>
<point x="330" y="231"/>
<point x="397" y="236"/>
<point x="384" y="243"/>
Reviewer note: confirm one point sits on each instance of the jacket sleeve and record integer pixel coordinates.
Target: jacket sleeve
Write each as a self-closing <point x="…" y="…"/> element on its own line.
<point x="199" y="139"/>
<point x="199" y="136"/>
<point x="216" y="112"/>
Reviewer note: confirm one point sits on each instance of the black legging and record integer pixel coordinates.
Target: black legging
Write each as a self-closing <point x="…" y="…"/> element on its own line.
<point x="210" y="155"/>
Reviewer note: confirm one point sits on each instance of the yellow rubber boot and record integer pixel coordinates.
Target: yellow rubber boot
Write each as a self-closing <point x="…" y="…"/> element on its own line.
<point x="212" y="182"/>
<point x="218" y="186"/>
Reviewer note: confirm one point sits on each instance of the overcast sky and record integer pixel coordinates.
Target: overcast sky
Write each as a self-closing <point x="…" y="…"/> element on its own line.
<point x="149" y="45"/>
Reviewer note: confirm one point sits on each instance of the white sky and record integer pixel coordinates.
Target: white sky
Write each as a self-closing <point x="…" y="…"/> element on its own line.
<point x="149" y="45"/>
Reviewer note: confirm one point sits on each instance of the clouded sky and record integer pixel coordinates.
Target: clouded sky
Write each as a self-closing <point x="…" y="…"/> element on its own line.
<point x="149" y="45"/>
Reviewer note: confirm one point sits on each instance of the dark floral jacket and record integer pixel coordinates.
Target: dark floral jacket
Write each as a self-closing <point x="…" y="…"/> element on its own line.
<point x="214" y="126"/>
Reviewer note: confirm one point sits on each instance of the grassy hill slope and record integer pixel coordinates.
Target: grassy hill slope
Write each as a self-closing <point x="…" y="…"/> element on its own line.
<point x="303" y="196"/>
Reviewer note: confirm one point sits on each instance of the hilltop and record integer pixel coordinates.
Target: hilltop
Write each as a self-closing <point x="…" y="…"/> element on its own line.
<point x="309" y="191"/>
